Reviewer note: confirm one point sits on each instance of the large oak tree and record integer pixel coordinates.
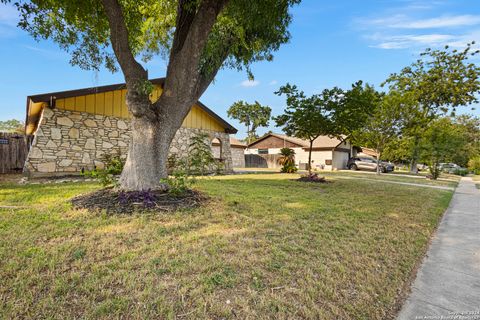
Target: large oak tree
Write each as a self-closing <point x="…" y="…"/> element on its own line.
<point x="198" y="37"/>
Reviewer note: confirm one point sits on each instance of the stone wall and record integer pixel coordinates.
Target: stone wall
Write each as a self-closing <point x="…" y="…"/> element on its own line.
<point x="238" y="157"/>
<point x="67" y="142"/>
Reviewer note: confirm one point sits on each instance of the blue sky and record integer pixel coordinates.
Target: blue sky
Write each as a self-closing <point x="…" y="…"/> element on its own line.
<point x="334" y="43"/>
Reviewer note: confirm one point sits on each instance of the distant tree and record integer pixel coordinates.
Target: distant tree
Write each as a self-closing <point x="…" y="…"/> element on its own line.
<point x="12" y="125"/>
<point x="440" y="81"/>
<point x="333" y="113"/>
<point x="383" y="125"/>
<point x="197" y="37"/>
<point x="252" y="115"/>
<point x="470" y="126"/>
<point x="440" y="142"/>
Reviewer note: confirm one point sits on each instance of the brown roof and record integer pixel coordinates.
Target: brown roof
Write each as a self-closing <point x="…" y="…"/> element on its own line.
<point x="320" y="142"/>
<point x="235" y="142"/>
<point x="368" y="152"/>
<point x="47" y="97"/>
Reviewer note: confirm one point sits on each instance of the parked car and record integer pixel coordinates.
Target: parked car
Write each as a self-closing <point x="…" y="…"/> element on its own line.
<point x="364" y="163"/>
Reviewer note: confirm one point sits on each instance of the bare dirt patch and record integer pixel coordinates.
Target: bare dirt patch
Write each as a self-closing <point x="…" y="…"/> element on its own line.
<point x="126" y="202"/>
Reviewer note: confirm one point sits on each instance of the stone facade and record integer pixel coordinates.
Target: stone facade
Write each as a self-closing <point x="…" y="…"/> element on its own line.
<point x="68" y="142"/>
<point x="238" y="156"/>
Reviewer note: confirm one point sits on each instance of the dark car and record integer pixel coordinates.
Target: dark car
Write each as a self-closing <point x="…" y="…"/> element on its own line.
<point x="365" y="163"/>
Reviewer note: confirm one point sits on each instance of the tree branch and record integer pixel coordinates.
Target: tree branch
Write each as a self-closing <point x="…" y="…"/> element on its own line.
<point x="131" y="69"/>
<point x="189" y="42"/>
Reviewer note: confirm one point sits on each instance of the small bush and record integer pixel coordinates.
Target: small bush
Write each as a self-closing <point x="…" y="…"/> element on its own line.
<point x="312" y="177"/>
<point x="287" y="160"/>
<point x="200" y="161"/>
<point x="289" y="168"/>
<point x="180" y="179"/>
<point x="113" y="167"/>
<point x="474" y="165"/>
<point x="460" y="172"/>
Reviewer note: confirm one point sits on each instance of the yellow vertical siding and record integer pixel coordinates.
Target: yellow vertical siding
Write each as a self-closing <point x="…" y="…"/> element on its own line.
<point x="108" y="103"/>
<point x="113" y="103"/>
<point x="117" y="103"/>
<point x="90" y="103"/>
<point x="80" y="103"/>
<point x="100" y="103"/>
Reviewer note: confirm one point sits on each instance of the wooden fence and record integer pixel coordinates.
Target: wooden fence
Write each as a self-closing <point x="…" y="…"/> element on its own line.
<point x="262" y="161"/>
<point x="13" y="152"/>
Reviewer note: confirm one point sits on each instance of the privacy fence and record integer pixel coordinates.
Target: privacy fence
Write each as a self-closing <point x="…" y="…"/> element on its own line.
<point x="13" y="152"/>
<point x="262" y="161"/>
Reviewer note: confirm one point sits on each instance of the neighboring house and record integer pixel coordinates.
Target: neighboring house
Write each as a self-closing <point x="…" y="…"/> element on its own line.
<point x="367" y="152"/>
<point x="327" y="153"/>
<point x="73" y="130"/>
<point x="237" y="149"/>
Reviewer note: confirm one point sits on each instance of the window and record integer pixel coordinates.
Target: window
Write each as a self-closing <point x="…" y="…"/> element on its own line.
<point x="262" y="151"/>
<point x="328" y="162"/>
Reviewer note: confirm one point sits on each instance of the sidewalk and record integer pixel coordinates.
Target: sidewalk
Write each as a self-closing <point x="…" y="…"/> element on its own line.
<point x="448" y="282"/>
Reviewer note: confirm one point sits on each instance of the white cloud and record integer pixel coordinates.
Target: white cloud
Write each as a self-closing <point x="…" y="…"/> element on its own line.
<point x="390" y="31"/>
<point x="402" y="22"/>
<point x="407" y="41"/>
<point x="273" y="82"/>
<point x="249" y="83"/>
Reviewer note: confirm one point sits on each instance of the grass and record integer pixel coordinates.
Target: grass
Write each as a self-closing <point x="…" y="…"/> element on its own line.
<point x="446" y="180"/>
<point x="265" y="247"/>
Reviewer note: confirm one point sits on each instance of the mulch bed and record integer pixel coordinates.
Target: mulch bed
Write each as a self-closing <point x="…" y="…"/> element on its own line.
<point x="312" y="178"/>
<point x="126" y="202"/>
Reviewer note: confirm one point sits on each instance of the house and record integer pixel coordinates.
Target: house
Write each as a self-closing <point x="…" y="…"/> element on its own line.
<point x="366" y="152"/>
<point x="327" y="153"/>
<point x="73" y="130"/>
<point x="237" y="150"/>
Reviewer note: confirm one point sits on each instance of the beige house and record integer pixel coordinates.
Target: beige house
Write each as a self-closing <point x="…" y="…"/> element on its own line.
<point x="327" y="153"/>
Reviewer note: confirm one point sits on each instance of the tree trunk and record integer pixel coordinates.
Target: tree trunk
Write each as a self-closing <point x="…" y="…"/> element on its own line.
<point x="147" y="157"/>
<point x="434" y="169"/>
<point x="310" y="158"/>
<point x="378" y="161"/>
<point x="413" y="163"/>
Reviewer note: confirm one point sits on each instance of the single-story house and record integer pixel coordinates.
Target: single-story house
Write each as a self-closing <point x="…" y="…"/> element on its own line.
<point x="327" y="153"/>
<point x="73" y="130"/>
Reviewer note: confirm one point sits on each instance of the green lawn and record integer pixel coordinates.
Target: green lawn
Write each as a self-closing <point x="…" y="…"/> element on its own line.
<point x="264" y="247"/>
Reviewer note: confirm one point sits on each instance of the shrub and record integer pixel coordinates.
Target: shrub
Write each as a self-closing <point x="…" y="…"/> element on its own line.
<point x="474" y="165"/>
<point x="113" y="166"/>
<point x="200" y="161"/>
<point x="287" y="160"/>
<point x="180" y="180"/>
<point x="460" y="172"/>
<point x="200" y="158"/>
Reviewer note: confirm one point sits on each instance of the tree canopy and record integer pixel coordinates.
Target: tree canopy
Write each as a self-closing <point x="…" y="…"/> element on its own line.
<point x="12" y="125"/>
<point x="440" y="81"/>
<point x="383" y="125"/>
<point x="198" y="37"/>
<point x="244" y="32"/>
<point x="252" y="115"/>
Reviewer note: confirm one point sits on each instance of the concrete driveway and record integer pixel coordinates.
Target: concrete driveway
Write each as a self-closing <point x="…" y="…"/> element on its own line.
<point x="448" y="282"/>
